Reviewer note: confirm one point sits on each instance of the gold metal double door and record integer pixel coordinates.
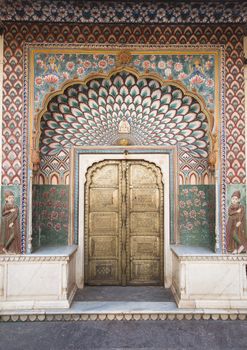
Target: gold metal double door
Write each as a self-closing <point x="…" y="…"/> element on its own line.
<point x="124" y="224"/>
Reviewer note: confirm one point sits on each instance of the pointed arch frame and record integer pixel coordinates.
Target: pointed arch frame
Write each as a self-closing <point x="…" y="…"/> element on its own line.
<point x="128" y="69"/>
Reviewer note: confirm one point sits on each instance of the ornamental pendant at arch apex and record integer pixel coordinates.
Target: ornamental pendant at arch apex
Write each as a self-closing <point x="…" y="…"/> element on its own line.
<point x="124" y="224"/>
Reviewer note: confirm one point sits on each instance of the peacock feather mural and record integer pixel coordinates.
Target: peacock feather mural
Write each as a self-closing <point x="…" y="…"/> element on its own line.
<point x="89" y="114"/>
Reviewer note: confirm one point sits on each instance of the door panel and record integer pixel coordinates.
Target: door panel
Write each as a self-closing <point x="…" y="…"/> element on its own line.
<point x="102" y="253"/>
<point x="144" y="222"/>
<point x="145" y="214"/>
<point x="124" y="224"/>
<point x="145" y="272"/>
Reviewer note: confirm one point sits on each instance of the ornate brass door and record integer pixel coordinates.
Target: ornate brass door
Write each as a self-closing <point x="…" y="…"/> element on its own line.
<point x="124" y="224"/>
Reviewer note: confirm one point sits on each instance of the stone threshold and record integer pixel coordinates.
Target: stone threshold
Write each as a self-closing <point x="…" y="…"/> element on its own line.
<point x="100" y="311"/>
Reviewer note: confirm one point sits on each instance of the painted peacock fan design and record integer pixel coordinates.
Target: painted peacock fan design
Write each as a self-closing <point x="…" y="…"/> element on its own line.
<point x="90" y="114"/>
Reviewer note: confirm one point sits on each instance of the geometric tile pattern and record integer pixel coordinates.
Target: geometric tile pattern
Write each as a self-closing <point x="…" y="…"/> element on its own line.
<point x="125" y="12"/>
<point x="231" y="36"/>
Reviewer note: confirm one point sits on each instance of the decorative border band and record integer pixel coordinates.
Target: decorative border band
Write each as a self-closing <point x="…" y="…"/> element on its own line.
<point x="125" y="317"/>
<point x="124" y="12"/>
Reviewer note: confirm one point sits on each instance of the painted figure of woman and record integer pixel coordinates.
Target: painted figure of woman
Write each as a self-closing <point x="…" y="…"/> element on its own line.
<point x="236" y="241"/>
<point x="11" y="227"/>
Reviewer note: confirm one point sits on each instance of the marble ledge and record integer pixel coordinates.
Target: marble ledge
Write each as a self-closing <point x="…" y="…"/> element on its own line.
<point x="62" y="253"/>
<point x="101" y="308"/>
<point x="201" y="253"/>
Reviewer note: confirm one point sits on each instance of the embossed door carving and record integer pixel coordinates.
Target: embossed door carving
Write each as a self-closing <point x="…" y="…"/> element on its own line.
<point x="124" y="224"/>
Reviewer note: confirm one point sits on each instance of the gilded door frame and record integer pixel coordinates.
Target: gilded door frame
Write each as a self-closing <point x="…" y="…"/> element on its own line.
<point x="164" y="157"/>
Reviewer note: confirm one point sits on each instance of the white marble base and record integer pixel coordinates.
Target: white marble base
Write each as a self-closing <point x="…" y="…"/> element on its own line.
<point x="45" y="279"/>
<point x="202" y="279"/>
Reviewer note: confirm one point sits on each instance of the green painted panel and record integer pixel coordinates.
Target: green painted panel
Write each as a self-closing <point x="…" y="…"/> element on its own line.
<point x="50" y="215"/>
<point x="197" y="215"/>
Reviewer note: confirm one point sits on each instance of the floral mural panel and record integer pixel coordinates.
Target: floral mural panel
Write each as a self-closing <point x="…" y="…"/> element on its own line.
<point x="197" y="215"/>
<point x="196" y="72"/>
<point x="50" y="215"/>
<point x="52" y="70"/>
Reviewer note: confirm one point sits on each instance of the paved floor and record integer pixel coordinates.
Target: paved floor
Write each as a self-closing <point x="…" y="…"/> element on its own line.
<point x="167" y="335"/>
<point x="116" y="293"/>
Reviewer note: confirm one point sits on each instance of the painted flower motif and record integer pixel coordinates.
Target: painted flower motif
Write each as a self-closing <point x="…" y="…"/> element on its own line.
<point x="193" y="214"/>
<point x="182" y="204"/>
<point x="51" y="79"/>
<point x="161" y="65"/>
<point x="208" y="65"/>
<point x="29" y="10"/>
<point x="194" y="189"/>
<point x="49" y="224"/>
<point x="178" y="67"/>
<point x="87" y="64"/>
<point x="58" y="227"/>
<point x="161" y="13"/>
<point x="202" y="194"/>
<point x="182" y="76"/>
<point x="70" y="65"/>
<point x="197" y="202"/>
<point x="153" y="65"/>
<point x="152" y="58"/>
<point x="202" y="212"/>
<point x="197" y="80"/>
<point x="62" y="193"/>
<point x="146" y="64"/>
<point x="38" y="81"/>
<point x="186" y="214"/>
<point x="62" y="214"/>
<point x="65" y="75"/>
<point x="189" y="202"/>
<point x="58" y="204"/>
<point x="40" y="63"/>
<point x="54" y="214"/>
<point x="169" y="64"/>
<point x="80" y="70"/>
<point x="111" y="62"/>
<point x="209" y="83"/>
<point x="137" y="62"/>
<point x="185" y="191"/>
<point x="168" y="72"/>
<point x="46" y="195"/>
<point x="189" y="226"/>
<point x="102" y="64"/>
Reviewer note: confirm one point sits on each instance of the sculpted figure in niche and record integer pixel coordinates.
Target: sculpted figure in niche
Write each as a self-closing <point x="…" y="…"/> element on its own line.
<point x="124" y="126"/>
<point x="235" y="229"/>
<point x="11" y="226"/>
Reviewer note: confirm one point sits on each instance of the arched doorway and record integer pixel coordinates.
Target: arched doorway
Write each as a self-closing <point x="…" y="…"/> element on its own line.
<point x="124" y="230"/>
